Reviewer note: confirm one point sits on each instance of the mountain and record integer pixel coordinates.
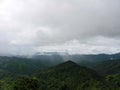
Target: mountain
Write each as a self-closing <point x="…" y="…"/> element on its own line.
<point x="19" y="65"/>
<point x="23" y="65"/>
<point x="107" y="67"/>
<point x="71" y="76"/>
<point x="92" y="58"/>
<point x="64" y="76"/>
<point x="55" y="72"/>
<point x="50" y="58"/>
<point x="57" y="56"/>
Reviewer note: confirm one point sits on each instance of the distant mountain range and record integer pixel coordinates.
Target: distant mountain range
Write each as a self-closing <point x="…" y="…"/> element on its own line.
<point x="78" y="57"/>
<point x="22" y="65"/>
<point x="60" y="72"/>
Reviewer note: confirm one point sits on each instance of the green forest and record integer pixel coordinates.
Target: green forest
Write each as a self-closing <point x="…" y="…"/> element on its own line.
<point x="28" y="74"/>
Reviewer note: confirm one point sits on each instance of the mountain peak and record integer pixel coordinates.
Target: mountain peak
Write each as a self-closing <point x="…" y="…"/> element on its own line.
<point x="70" y="68"/>
<point x="67" y="66"/>
<point x="68" y="63"/>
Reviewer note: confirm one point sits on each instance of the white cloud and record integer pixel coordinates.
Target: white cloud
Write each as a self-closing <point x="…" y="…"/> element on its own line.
<point x="91" y="46"/>
<point x="50" y="24"/>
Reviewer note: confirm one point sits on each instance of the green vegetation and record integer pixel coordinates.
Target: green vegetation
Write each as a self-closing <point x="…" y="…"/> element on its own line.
<point x="25" y="66"/>
<point x="107" y="67"/>
<point x="27" y="74"/>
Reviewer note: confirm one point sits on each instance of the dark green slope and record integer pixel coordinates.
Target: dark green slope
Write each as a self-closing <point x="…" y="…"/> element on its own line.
<point x="71" y="76"/>
<point x="65" y="76"/>
<point x="72" y="68"/>
<point x="17" y="65"/>
<point x="4" y="74"/>
<point x="23" y="66"/>
<point x="107" y="67"/>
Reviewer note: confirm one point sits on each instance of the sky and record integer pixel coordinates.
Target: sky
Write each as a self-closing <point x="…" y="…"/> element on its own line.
<point x="73" y="26"/>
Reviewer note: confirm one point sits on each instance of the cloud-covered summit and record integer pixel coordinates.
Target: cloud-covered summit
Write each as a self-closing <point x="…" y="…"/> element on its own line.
<point x="79" y="26"/>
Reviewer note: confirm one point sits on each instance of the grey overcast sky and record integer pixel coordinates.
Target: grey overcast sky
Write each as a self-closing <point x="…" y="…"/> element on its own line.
<point x="76" y="26"/>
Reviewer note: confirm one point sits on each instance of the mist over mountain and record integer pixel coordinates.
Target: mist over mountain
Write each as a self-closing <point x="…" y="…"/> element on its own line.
<point x="77" y="57"/>
<point x="59" y="44"/>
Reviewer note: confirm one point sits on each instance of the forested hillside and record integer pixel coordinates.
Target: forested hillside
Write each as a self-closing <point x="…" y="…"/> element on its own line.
<point x="43" y="73"/>
<point x="65" y="76"/>
<point x="26" y="66"/>
<point x="105" y="67"/>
